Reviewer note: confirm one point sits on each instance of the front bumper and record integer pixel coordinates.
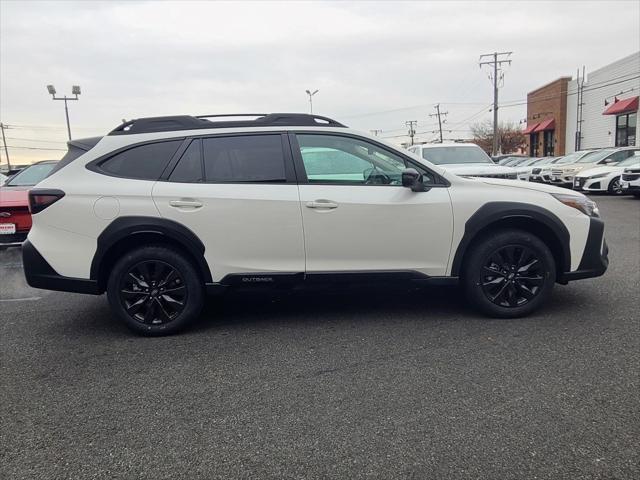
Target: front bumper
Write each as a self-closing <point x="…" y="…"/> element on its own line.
<point x="40" y="274"/>
<point x="595" y="258"/>
<point x="590" y="185"/>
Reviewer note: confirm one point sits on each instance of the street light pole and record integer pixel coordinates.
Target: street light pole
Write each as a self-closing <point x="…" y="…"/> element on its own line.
<point x="311" y="94"/>
<point x="75" y="90"/>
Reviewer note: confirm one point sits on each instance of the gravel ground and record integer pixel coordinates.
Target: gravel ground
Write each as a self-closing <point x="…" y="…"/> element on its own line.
<point x="384" y="383"/>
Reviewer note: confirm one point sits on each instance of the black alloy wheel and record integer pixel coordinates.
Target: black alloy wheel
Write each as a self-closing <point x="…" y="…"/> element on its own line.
<point x="153" y="292"/>
<point x="512" y="276"/>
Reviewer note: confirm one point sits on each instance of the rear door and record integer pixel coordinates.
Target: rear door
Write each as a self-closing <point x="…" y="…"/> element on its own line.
<point x="238" y="194"/>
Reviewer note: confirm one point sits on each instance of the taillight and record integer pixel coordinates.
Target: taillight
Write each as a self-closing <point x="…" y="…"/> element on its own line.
<point x="40" y="198"/>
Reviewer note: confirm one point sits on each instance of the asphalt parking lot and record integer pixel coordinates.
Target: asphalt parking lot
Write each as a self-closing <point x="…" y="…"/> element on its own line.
<point x="385" y="383"/>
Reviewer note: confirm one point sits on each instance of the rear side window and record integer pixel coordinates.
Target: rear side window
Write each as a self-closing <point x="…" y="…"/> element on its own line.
<point x="244" y="158"/>
<point x="144" y="162"/>
<point x="189" y="169"/>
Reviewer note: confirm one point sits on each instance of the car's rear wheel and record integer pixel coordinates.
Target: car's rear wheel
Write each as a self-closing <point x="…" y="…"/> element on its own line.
<point x="615" y="187"/>
<point x="155" y="290"/>
<point x="509" y="274"/>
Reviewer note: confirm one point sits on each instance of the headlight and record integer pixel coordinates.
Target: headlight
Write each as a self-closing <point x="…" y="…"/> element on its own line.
<point x="600" y="175"/>
<point x="582" y="203"/>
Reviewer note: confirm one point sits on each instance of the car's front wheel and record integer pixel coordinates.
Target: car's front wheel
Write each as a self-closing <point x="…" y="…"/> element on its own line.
<point x="615" y="187"/>
<point x="509" y="273"/>
<point x="155" y="290"/>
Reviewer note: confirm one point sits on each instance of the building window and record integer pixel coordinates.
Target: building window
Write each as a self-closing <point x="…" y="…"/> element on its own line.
<point x="548" y="143"/>
<point x="626" y="130"/>
<point x="533" y="145"/>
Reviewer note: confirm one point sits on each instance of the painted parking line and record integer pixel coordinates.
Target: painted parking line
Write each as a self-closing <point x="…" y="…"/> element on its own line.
<point x="25" y="299"/>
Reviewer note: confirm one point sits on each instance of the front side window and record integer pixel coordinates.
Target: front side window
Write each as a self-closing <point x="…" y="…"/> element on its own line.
<point x="144" y="162"/>
<point x="344" y="160"/>
<point x="626" y="130"/>
<point x="244" y="158"/>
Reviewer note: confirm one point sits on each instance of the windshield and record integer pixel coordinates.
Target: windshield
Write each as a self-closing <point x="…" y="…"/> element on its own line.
<point x="546" y="160"/>
<point x="571" y="158"/>
<point x="595" y="156"/>
<point x="453" y="155"/>
<point x="630" y="161"/>
<point x="31" y="175"/>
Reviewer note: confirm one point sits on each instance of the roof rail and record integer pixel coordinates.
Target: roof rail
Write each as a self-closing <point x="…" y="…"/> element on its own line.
<point x="188" y="122"/>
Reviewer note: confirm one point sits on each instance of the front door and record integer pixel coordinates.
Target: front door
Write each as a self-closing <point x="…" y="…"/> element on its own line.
<point x="238" y="195"/>
<point x="358" y="217"/>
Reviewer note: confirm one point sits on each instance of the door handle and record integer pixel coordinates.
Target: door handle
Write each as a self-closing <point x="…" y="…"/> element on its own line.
<point x="185" y="203"/>
<point x="326" y="204"/>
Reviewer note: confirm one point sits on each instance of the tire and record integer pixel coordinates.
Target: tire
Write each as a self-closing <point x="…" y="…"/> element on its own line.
<point x="155" y="290"/>
<point x="615" y="188"/>
<point x="507" y="293"/>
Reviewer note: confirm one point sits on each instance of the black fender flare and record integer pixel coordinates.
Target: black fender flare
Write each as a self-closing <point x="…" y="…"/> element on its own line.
<point x="493" y="212"/>
<point x="123" y="227"/>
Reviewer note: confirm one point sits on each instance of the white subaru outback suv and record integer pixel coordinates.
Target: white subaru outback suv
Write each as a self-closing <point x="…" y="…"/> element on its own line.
<point x="163" y="210"/>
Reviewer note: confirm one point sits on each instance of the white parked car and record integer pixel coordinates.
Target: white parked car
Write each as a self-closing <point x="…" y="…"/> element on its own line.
<point x="630" y="181"/>
<point x="605" y="178"/>
<point x="464" y="159"/>
<point x="162" y="210"/>
<point x="543" y="174"/>
<point x="562" y="175"/>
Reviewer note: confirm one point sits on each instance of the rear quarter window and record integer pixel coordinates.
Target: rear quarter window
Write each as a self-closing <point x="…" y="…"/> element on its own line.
<point x="143" y="162"/>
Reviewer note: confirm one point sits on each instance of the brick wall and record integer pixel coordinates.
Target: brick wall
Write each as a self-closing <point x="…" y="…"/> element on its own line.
<point x="549" y="101"/>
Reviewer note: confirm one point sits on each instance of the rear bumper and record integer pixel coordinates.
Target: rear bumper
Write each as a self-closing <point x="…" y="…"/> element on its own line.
<point x="40" y="274"/>
<point x="595" y="258"/>
<point x="13" y="240"/>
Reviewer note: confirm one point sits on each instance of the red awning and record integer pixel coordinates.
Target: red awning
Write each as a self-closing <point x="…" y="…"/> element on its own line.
<point x="530" y="128"/>
<point x="622" y="106"/>
<point x="548" y="124"/>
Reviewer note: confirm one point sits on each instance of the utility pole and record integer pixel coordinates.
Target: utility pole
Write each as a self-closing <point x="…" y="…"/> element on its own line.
<point x="412" y="131"/>
<point x="4" y="142"/>
<point x="439" y="114"/>
<point x="375" y="133"/>
<point x="579" y="104"/>
<point x="75" y="90"/>
<point x="498" y="58"/>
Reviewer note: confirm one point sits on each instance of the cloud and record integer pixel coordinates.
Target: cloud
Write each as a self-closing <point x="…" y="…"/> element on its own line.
<point x="153" y="58"/>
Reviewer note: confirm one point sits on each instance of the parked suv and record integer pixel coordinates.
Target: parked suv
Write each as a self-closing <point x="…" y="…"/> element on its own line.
<point x="162" y="210"/>
<point x="630" y="181"/>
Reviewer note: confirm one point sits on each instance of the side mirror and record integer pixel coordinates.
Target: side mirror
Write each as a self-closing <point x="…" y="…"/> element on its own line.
<point x="412" y="179"/>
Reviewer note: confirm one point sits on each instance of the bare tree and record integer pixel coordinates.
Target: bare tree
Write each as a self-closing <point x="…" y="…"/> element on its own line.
<point x="511" y="137"/>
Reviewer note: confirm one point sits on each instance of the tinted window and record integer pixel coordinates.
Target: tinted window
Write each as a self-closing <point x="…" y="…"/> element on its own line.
<point x="31" y="175"/>
<point x="189" y="168"/>
<point x="337" y="159"/>
<point x="144" y="162"/>
<point x="244" y="158"/>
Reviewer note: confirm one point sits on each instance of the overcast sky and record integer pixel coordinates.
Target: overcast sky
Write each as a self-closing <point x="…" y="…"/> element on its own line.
<point x="376" y="64"/>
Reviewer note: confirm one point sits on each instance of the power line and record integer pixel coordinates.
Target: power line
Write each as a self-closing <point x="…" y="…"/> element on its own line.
<point x="35" y="148"/>
<point x="36" y="140"/>
<point x="587" y="88"/>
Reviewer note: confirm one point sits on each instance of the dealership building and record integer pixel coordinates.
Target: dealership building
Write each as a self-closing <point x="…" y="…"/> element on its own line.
<point x="596" y="110"/>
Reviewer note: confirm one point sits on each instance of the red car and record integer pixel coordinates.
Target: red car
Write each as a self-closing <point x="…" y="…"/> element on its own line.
<point x="15" y="219"/>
